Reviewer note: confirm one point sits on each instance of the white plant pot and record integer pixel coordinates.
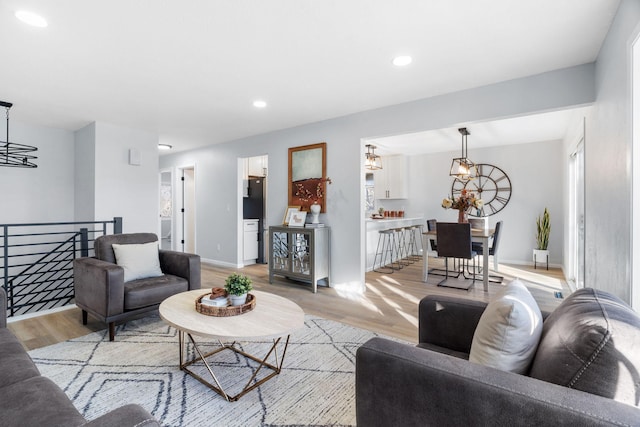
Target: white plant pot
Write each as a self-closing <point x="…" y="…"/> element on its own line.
<point x="238" y="299"/>
<point x="540" y="255"/>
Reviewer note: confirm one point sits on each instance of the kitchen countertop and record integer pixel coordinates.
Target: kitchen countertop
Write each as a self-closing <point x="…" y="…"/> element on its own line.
<point x="392" y="219"/>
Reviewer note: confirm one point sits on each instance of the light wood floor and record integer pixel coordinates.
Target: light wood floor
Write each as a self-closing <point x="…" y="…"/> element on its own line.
<point x="389" y="306"/>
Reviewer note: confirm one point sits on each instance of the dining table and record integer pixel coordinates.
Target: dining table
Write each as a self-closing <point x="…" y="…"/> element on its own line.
<point x="480" y="235"/>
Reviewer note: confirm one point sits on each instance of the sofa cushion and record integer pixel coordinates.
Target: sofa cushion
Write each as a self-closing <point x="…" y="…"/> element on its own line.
<point x="150" y="291"/>
<point x="15" y="365"/>
<point x="509" y="330"/>
<point x="139" y="261"/>
<point x="37" y="401"/>
<point x="591" y="342"/>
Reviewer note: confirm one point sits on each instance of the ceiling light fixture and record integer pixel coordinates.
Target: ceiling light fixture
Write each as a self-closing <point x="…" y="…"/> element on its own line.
<point x="371" y="160"/>
<point x="165" y="147"/>
<point x="12" y="154"/>
<point x="259" y="104"/>
<point x="31" y="18"/>
<point x="402" y="61"/>
<point x="461" y="167"/>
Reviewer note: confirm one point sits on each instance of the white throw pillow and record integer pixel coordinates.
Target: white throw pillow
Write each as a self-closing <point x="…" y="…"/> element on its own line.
<point x="509" y="330"/>
<point x="138" y="260"/>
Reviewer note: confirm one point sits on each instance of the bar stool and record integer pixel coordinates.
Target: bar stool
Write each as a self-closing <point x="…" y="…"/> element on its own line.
<point x="401" y="248"/>
<point x="412" y="245"/>
<point x="385" y="249"/>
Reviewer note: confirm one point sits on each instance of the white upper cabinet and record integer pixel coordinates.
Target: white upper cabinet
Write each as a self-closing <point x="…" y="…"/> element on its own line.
<point x="392" y="181"/>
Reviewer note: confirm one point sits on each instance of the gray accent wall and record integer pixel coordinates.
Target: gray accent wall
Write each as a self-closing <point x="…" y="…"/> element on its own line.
<point x="217" y="185"/>
<point x="608" y="160"/>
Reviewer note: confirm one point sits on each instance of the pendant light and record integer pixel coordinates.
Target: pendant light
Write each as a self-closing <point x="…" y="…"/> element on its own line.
<point x="12" y="154"/>
<point x="462" y="167"/>
<point x="372" y="161"/>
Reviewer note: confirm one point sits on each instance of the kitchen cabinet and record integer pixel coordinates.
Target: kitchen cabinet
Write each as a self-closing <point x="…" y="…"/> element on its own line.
<point x="300" y="254"/>
<point x="392" y="181"/>
<point x="250" y="247"/>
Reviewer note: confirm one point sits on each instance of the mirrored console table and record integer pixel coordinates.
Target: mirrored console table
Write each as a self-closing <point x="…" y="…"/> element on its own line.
<point x="300" y="253"/>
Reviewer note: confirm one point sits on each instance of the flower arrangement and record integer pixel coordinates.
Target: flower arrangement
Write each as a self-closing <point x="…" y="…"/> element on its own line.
<point x="307" y="195"/>
<point x="464" y="202"/>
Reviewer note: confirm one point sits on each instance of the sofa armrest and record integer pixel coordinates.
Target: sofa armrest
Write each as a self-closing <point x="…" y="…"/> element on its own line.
<point x="128" y="415"/>
<point x="99" y="286"/>
<point x="3" y="308"/>
<point x="449" y="322"/>
<point x="398" y="384"/>
<point x="182" y="265"/>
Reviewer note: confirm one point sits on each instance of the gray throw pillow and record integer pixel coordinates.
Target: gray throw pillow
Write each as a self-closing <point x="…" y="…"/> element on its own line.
<point x="591" y="342"/>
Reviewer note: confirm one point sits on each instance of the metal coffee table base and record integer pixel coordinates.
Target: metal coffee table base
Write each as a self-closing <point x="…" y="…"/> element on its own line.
<point x="184" y="365"/>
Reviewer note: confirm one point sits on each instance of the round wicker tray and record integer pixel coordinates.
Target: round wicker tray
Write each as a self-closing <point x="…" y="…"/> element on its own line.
<point x="231" y="310"/>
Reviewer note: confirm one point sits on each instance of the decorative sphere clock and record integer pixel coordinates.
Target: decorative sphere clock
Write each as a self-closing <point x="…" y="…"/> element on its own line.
<point x="492" y="185"/>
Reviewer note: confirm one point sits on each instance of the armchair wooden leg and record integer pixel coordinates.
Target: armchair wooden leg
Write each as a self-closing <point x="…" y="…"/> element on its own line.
<point x="84" y="317"/>
<point x="112" y="331"/>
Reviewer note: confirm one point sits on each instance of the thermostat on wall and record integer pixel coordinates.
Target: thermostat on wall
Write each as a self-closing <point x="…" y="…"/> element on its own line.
<point x="134" y="157"/>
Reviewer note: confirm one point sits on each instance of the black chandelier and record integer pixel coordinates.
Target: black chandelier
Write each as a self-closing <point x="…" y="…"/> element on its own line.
<point x="462" y="167"/>
<point x="12" y="154"/>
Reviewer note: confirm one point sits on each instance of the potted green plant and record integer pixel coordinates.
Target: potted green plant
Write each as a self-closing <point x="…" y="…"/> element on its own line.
<point x="237" y="287"/>
<point x="543" y="228"/>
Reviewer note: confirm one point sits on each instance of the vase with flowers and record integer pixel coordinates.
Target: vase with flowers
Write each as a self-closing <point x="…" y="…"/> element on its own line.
<point x="463" y="203"/>
<point x="314" y="194"/>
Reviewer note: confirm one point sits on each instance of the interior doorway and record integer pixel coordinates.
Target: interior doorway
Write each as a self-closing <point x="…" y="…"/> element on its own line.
<point x="254" y="211"/>
<point x="165" y="227"/>
<point x="187" y="227"/>
<point x="635" y="172"/>
<point x="577" y="214"/>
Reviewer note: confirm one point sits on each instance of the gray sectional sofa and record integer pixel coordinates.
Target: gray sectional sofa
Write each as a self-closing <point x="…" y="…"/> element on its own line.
<point x="588" y="356"/>
<point x="29" y="399"/>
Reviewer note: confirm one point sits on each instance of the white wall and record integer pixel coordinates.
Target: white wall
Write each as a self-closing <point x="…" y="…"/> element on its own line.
<point x="43" y="194"/>
<point x="85" y="173"/>
<point x="216" y="173"/>
<point x="534" y="170"/>
<point x="122" y="189"/>
<point x="608" y="160"/>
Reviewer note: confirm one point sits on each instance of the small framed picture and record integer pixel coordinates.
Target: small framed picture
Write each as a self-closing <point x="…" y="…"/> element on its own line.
<point x="297" y="219"/>
<point x="287" y="214"/>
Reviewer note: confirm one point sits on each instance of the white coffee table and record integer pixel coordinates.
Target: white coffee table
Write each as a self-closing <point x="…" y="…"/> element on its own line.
<point x="273" y="317"/>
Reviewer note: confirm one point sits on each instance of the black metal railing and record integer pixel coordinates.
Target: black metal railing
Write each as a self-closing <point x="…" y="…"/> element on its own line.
<point x="37" y="261"/>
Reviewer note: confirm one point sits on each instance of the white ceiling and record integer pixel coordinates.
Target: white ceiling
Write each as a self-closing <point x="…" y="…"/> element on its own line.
<point x="552" y="126"/>
<point x="190" y="70"/>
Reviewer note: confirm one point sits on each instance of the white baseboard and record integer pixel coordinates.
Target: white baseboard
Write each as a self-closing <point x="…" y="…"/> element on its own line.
<point x="218" y="263"/>
<point x="39" y="313"/>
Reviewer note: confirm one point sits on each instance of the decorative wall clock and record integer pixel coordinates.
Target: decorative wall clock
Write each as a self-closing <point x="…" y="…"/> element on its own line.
<point x="492" y="185"/>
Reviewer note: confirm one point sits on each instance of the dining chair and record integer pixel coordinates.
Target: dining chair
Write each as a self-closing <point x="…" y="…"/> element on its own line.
<point x="493" y="251"/>
<point x="432" y="225"/>
<point x="454" y="241"/>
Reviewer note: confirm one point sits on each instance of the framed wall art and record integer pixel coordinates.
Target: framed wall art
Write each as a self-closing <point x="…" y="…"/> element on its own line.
<point x="307" y="175"/>
<point x="287" y="214"/>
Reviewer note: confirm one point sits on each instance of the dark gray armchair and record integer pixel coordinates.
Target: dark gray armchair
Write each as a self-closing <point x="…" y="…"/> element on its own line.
<point x="433" y="383"/>
<point x="100" y="289"/>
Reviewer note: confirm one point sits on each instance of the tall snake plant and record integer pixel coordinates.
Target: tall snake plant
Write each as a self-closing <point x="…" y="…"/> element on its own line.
<point x="543" y="225"/>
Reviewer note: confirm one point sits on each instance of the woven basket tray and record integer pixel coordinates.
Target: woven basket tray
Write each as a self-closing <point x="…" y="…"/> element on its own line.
<point x="231" y="310"/>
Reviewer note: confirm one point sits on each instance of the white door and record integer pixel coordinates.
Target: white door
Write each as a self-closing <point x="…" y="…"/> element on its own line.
<point x="188" y="210"/>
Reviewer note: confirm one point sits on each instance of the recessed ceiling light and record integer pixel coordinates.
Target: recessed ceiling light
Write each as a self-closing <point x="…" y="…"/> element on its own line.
<point x="401" y="61"/>
<point x="165" y="146"/>
<point x="31" y="18"/>
<point x="259" y="103"/>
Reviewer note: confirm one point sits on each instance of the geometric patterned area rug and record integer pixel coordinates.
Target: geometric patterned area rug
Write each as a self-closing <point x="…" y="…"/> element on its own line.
<point x="315" y="388"/>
